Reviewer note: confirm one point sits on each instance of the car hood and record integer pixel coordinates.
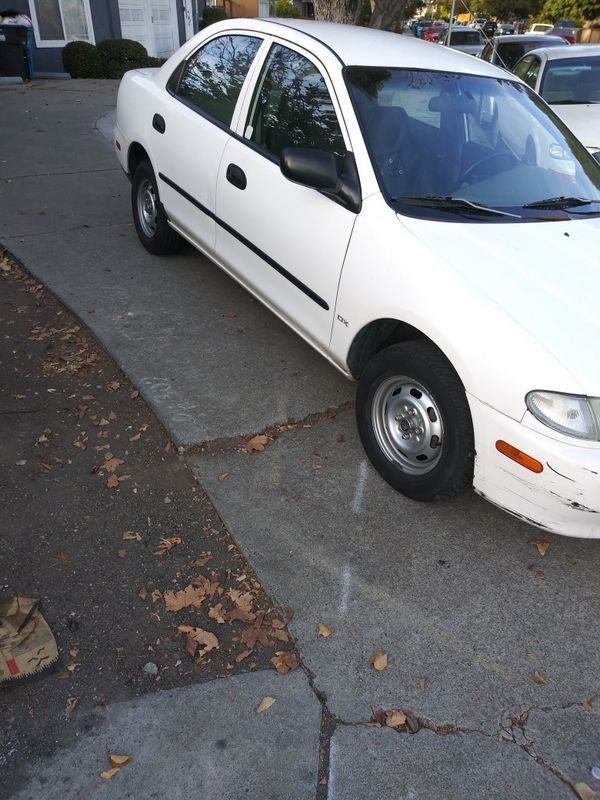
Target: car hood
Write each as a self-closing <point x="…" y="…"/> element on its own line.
<point x="545" y="275"/>
<point x="583" y="120"/>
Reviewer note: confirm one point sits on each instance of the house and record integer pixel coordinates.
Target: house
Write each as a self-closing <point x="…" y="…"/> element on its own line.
<point x="160" y="25"/>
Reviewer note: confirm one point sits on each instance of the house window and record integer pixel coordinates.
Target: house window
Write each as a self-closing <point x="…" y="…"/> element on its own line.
<point x="57" y="22"/>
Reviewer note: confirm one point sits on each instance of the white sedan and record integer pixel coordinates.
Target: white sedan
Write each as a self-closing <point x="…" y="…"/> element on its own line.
<point x="415" y="214"/>
<point x="569" y="80"/>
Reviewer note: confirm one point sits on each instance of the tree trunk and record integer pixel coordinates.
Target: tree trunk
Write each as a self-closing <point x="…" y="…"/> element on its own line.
<point x="347" y="11"/>
<point x="387" y="14"/>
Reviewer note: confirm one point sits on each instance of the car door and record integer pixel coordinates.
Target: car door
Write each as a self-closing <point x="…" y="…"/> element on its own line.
<point x="191" y="128"/>
<point x="286" y="241"/>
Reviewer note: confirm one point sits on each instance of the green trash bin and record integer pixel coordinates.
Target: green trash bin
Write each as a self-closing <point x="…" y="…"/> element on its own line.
<point x="16" y="48"/>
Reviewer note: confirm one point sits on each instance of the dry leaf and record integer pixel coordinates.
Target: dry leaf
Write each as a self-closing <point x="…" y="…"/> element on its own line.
<point x="130" y="536"/>
<point x="283" y="636"/>
<point x="190" y="596"/>
<point x="284" y="662"/>
<point x="539" y="678"/>
<point x="74" y="652"/>
<point x="541" y="545"/>
<point x="72" y="667"/>
<point x="118" y="761"/>
<point x="256" y="444"/>
<point x="217" y="613"/>
<point x="111" y="464"/>
<point x="243" y="655"/>
<point x="379" y="660"/>
<point x="323" y="630"/>
<point x="112" y="481"/>
<point x="135" y="438"/>
<point x="190" y="646"/>
<point x="142" y="594"/>
<point x="422" y="683"/>
<point x="223" y="475"/>
<point x="201" y="562"/>
<point x="207" y="640"/>
<point x="378" y="717"/>
<point x="395" y="718"/>
<point x="587" y="705"/>
<point x="156" y="595"/>
<point x="122" y="552"/>
<point x="166" y="545"/>
<point x="109" y="773"/>
<point x="71" y="704"/>
<point x="114" y="386"/>
<point x="265" y="703"/>
<point x="134" y="395"/>
<point x="583" y="791"/>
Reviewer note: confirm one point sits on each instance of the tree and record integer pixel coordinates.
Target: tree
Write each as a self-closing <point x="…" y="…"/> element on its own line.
<point x="576" y="10"/>
<point x="382" y="14"/>
<point x="346" y="11"/>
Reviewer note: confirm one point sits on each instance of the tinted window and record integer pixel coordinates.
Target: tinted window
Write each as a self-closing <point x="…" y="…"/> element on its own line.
<point x="292" y="106"/>
<point x="213" y="77"/>
<point x="466" y="37"/>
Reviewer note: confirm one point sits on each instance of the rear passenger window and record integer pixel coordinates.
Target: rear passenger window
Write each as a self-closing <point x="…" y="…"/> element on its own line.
<point x="213" y="76"/>
<point x="293" y="108"/>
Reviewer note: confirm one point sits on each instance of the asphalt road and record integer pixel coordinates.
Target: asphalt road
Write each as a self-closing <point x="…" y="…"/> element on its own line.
<point x="456" y="594"/>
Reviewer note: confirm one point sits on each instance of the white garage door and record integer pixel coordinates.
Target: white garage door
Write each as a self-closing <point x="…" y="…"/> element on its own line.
<point x="153" y="23"/>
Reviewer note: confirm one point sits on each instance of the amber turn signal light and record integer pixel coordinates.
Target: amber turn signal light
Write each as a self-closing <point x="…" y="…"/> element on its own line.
<point x="519" y="456"/>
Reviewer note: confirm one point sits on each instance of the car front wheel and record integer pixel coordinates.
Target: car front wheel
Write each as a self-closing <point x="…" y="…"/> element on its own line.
<point x="414" y="421"/>
<point x="149" y="216"/>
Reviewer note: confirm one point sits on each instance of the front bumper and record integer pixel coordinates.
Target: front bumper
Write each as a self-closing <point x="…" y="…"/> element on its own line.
<point x="564" y="498"/>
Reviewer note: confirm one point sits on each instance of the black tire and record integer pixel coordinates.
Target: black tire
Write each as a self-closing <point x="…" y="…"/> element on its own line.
<point x="149" y="216"/>
<point x="414" y="421"/>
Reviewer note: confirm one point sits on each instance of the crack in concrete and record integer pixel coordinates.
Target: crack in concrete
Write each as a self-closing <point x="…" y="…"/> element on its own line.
<point x="83" y="226"/>
<point x="229" y="444"/>
<point x="57" y="174"/>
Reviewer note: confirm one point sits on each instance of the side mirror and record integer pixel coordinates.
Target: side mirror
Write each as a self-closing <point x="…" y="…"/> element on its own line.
<point x="314" y="168"/>
<point x="596" y="155"/>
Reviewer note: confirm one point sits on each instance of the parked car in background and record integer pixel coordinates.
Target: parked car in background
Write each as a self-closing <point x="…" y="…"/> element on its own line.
<point x="478" y="23"/>
<point x="564" y="28"/>
<point x="420" y="27"/>
<point x="505" y="51"/>
<point x="569" y="80"/>
<point x="540" y="28"/>
<point x="433" y="33"/>
<point x="467" y="40"/>
<point x="506" y="29"/>
<point x="489" y="28"/>
<point x="379" y="195"/>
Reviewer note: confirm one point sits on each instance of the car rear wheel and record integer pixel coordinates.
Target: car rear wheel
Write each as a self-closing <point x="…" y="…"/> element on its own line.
<point x="414" y="421"/>
<point x="149" y="216"/>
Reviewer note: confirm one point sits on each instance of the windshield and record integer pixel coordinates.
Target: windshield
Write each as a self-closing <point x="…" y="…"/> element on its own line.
<point x="488" y="141"/>
<point x="572" y="80"/>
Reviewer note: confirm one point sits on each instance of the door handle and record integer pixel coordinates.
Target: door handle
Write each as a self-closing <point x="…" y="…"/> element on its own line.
<point x="236" y="176"/>
<point x="158" y="123"/>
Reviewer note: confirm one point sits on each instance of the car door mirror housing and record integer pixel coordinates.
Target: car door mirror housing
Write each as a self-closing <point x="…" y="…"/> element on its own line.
<point x="314" y="168"/>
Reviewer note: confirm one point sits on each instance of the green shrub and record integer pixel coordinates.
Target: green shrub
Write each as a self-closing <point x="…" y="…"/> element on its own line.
<point x="213" y="14"/>
<point x="286" y="8"/>
<point x="154" y="62"/>
<point x="119" y="55"/>
<point x="82" y="60"/>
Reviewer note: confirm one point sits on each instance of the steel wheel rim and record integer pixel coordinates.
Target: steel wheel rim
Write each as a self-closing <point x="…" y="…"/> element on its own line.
<point x="408" y="424"/>
<point x="146" y="206"/>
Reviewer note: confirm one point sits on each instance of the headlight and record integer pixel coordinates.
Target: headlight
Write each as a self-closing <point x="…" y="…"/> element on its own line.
<point x="570" y="414"/>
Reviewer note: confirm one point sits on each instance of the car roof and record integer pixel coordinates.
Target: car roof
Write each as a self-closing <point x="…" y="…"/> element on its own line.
<point x="366" y="47"/>
<point x="525" y="37"/>
<point x="574" y="51"/>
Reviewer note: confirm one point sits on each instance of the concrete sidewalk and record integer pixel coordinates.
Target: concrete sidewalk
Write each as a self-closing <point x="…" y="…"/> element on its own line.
<point x="455" y="593"/>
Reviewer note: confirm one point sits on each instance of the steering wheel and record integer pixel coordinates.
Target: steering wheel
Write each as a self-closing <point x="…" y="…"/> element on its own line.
<point x="470" y="175"/>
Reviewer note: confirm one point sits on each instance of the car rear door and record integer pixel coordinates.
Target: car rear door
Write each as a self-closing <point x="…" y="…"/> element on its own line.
<point x="286" y="241"/>
<point x="191" y="128"/>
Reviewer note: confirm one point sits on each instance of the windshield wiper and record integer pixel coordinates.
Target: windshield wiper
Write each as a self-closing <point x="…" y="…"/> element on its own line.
<point x="560" y="202"/>
<point x="453" y="204"/>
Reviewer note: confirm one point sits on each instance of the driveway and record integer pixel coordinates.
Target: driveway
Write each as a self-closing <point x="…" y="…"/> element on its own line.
<point x="488" y="625"/>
